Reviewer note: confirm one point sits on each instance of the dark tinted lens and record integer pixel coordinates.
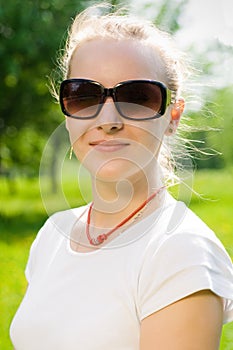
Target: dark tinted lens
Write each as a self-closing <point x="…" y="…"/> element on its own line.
<point x="139" y="99"/>
<point x="81" y="98"/>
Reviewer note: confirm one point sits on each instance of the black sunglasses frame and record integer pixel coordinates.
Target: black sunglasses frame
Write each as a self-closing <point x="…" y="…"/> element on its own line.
<point x="111" y="92"/>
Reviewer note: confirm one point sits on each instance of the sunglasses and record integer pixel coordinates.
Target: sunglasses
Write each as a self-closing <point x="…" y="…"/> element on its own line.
<point x="133" y="99"/>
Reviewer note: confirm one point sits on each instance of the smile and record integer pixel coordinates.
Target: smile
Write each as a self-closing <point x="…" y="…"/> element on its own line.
<point x="108" y="145"/>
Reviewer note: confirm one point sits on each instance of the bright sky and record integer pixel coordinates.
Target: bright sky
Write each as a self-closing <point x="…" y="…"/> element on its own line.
<point x="203" y="22"/>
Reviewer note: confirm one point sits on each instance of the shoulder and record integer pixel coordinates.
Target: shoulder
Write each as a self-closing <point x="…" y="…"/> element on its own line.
<point x="57" y="225"/>
<point x="178" y="223"/>
<point x="186" y="240"/>
<point x="186" y="257"/>
<point x="64" y="220"/>
<point x="177" y="236"/>
<point x="68" y="215"/>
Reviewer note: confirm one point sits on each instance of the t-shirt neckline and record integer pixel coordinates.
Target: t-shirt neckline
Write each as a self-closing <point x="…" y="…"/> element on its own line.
<point x="168" y="201"/>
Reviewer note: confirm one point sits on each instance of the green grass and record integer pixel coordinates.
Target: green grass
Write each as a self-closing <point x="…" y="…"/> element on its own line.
<point x="22" y="214"/>
<point x="217" y="212"/>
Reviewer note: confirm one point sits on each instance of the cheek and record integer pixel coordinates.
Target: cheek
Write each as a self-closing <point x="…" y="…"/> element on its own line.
<point x="151" y="133"/>
<point x="76" y="128"/>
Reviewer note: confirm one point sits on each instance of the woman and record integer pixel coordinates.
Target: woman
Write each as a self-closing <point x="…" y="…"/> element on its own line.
<point x="134" y="269"/>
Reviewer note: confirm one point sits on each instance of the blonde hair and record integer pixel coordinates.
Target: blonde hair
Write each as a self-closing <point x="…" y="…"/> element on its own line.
<point x="103" y="21"/>
<point x="93" y="23"/>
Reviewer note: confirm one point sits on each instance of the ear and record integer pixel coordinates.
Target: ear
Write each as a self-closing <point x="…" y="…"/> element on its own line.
<point x="176" y="112"/>
<point x="177" y="109"/>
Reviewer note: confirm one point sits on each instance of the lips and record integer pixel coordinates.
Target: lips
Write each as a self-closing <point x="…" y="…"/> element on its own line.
<point x="108" y="145"/>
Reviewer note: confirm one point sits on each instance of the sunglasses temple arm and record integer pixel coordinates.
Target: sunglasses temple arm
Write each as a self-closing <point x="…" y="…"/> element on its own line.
<point x="171" y="97"/>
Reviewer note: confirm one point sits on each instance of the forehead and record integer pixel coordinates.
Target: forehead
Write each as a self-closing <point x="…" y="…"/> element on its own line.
<point x="110" y="61"/>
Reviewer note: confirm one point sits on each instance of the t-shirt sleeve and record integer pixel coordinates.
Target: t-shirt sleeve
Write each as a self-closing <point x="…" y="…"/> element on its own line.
<point x="33" y="252"/>
<point x="182" y="265"/>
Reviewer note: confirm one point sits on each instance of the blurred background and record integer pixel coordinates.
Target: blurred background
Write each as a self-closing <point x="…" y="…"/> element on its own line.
<point x="31" y="34"/>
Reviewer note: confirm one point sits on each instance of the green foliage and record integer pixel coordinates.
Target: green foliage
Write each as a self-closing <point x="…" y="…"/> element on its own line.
<point x="31" y="33"/>
<point x="169" y="14"/>
<point x="212" y="127"/>
<point x="21" y="217"/>
<point x="224" y="102"/>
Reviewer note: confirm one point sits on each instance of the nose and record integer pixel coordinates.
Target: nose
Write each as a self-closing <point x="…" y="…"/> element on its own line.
<point x="109" y="120"/>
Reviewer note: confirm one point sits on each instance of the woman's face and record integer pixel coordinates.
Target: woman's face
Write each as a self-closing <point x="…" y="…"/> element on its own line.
<point x="112" y="147"/>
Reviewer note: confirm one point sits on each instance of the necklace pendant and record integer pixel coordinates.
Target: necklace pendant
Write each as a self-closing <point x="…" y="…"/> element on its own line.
<point x="99" y="239"/>
<point x="94" y="241"/>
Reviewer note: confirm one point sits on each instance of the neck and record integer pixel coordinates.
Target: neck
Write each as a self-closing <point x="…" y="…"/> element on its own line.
<point x="115" y="200"/>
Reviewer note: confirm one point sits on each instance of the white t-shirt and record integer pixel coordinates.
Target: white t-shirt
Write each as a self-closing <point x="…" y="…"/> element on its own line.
<point x="96" y="300"/>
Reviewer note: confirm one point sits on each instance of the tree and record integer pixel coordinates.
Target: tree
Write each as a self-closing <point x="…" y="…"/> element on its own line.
<point x="30" y="37"/>
<point x="31" y="33"/>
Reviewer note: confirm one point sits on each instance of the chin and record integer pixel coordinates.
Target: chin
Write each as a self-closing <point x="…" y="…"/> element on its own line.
<point x="115" y="170"/>
<point x="112" y="174"/>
